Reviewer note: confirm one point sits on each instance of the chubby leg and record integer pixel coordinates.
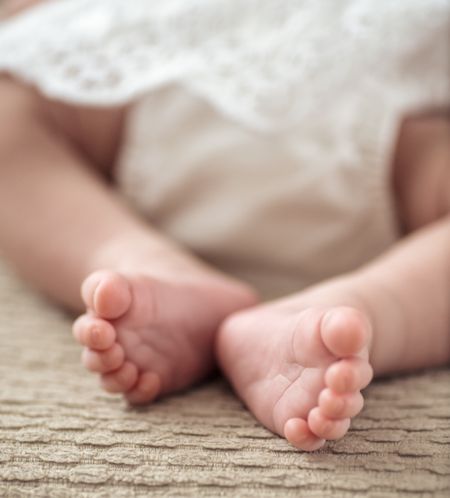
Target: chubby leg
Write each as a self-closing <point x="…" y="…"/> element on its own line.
<point x="299" y="363"/>
<point x="56" y="213"/>
<point x="152" y="309"/>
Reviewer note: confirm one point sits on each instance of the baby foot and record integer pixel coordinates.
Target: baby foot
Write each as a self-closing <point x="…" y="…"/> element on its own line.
<point x="150" y="336"/>
<point x="299" y="368"/>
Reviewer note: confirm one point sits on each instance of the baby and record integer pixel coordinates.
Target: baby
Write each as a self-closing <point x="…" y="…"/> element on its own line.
<point x="263" y="155"/>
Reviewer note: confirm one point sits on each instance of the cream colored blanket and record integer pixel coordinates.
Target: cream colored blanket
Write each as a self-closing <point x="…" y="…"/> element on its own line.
<point x="61" y="436"/>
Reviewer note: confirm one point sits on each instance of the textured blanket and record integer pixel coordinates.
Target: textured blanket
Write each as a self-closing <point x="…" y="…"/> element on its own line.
<point x="60" y="435"/>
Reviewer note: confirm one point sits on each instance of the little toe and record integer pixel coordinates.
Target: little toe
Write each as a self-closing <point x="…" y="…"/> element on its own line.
<point x="107" y="293"/>
<point x="121" y="380"/>
<point x="297" y="432"/>
<point x="335" y="406"/>
<point x="348" y="375"/>
<point x="147" y="388"/>
<point x="103" y="361"/>
<point x="94" y="333"/>
<point x="345" y="331"/>
<point x="326" y="428"/>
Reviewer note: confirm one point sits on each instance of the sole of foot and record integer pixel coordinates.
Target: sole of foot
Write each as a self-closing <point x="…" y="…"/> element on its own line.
<point x="299" y="370"/>
<point x="147" y="337"/>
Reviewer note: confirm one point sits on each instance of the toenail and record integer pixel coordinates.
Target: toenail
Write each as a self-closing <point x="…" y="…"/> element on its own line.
<point x="347" y="381"/>
<point x="95" y="334"/>
<point x="89" y="290"/>
<point x="327" y="317"/>
<point x="331" y="315"/>
<point x="339" y="405"/>
<point x="94" y="295"/>
<point x="327" y="425"/>
<point x="331" y="320"/>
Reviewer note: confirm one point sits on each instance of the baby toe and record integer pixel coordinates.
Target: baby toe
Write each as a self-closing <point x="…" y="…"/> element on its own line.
<point x="345" y="331"/>
<point x="121" y="380"/>
<point x="94" y="333"/>
<point x="348" y="375"/>
<point x="103" y="361"/>
<point x="147" y="388"/>
<point x="297" y="432"/>
<point x="336" y="406"/>
<point x="326" y="428"/>
<point x="107" y="293"/>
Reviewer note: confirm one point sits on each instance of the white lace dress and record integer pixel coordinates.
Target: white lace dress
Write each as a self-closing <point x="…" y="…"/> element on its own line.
<point x="261" y="131"/>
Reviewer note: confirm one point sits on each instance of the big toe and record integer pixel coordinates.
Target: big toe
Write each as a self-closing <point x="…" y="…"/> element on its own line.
<point x="345" y="331"/>
<point x="107" y="293"/>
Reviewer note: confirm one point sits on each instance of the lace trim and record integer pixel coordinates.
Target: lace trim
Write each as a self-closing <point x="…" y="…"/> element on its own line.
<point x="270" y="63"/>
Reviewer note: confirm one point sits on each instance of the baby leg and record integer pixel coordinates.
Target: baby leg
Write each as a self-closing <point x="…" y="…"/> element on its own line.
<point x="153" y="309"/>
<point x="299" y="363"/>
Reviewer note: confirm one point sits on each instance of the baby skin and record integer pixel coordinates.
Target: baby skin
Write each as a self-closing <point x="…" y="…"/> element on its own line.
<point x="299" y="363"/>
<point x="155" y="318"/>
<point x="151" y="335"/>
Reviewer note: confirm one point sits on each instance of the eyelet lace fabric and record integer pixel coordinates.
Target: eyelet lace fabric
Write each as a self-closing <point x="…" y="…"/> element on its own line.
<point x="270" y="63"/>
